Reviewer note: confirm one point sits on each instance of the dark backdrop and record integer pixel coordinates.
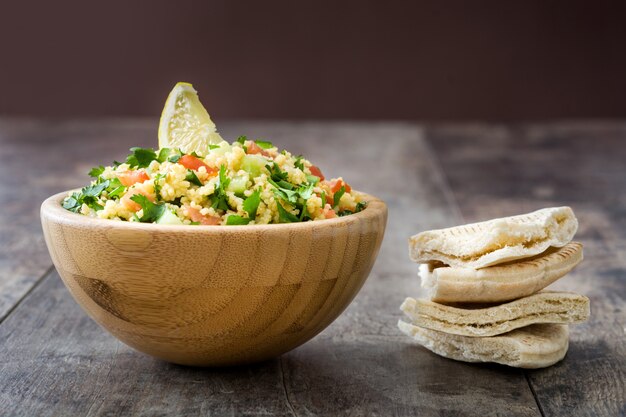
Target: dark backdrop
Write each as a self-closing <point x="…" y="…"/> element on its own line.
<point x="426" y="60"/>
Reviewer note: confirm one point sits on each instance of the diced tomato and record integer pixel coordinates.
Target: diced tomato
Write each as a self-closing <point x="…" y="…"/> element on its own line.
<point x="253" y="149"/>
<point x="317" y="172"/>
<point x="335" y="185"/>
<point x="328" y="212"/>
<point x="196" y="216"/>
<point x="194" y="163"/>
<point x="133" y="205"/>
<point x="128" y="178"/>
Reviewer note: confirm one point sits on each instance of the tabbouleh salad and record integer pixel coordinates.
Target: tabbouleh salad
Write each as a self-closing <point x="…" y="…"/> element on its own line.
<point x="244" y="183"/>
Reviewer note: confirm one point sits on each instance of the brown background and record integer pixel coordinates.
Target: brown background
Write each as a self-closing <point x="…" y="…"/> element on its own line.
<point x="423" y="60"/>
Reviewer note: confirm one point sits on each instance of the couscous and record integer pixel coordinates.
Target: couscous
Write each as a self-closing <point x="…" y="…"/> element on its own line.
<point x="244" y="183"/>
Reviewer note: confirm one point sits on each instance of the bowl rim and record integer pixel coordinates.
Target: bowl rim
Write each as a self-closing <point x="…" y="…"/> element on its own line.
<point x="51" y="209"/>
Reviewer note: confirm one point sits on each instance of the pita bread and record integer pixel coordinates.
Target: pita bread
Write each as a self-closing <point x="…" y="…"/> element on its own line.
<point x="535" y="346"/>
<point x="544" y="307"/>
<point x="492" y="242"/>
<point x="502" y="282"/>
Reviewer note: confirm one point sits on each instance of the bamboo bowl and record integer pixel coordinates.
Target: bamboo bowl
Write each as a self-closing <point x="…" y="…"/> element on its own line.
<point x="213" y="295"/>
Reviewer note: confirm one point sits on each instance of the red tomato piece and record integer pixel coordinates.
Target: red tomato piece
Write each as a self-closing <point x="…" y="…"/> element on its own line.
<point x="128" y="178"/>
<point x="328" y="212"/>
<point x="133" y="205"/>
<point x="316" y="171"/>
<point x="196" y="216"/>
<point x="194" y="163"/>
<point x="253" y="149"/>
<point x="335" y="185"/>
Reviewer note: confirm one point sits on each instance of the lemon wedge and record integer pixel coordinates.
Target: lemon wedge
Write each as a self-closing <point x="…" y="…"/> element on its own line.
<point x="185" y="123"/>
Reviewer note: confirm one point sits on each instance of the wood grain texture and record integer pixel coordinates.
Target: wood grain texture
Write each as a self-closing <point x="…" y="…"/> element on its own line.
<point x="497" y="171"/>
<point x="38" y="159"/>
<point x="58" y="361"/>
<point x="213" y="295"/>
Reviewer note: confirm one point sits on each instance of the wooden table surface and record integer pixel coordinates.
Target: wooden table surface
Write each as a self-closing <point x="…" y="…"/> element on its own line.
<point x="54" y="360"/>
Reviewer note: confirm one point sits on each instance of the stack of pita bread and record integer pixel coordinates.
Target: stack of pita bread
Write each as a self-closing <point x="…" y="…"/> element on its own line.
<point x="484" y="282"/>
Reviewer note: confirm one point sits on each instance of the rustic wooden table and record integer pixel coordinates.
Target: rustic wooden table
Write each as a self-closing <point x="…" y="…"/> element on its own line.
<point x="55" y="361"/>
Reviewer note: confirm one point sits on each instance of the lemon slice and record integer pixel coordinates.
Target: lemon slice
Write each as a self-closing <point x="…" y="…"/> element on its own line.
<point x="185" y="123"/>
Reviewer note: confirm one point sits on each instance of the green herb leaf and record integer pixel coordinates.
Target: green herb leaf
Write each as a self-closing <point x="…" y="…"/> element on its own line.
<point x="157" y="185"/>
<point x="151" y="211"/>
<point x="220" y="199"/>
<point x="276" y="174"/>
<point x="169" y="154"/>
<point x="282" y="184"/>
<point x="306" y="191"/>
<point x="212" y="146"/>
<point x="234" y="220"/>
<point x="312" y="179"/>
<point x="288" y="195"/>
<point x="242" y="139"/>
<point x="87" y="195"/>
<point x="304" y="213"/>
<point x="360" y="206"/>
<point x="96" y="172"/>
<point x="337" y="196"/>
<point x="284" y="216"/>
<point x="251" y="204"/>
<point x="141" y="157"/>
<point x="115" y="188"/>
<point x="164" y="153"/>
<point x="298" y="163"/>
<point x="71" y="203"/>
<point x="193" y="178"/>
<point x="95" y="190"/>
<point x="117" y="192"/>
<point x="264" y="144"/>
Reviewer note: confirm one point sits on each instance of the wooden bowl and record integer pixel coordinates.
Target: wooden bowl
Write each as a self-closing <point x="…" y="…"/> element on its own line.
<point x="213" y="295"/>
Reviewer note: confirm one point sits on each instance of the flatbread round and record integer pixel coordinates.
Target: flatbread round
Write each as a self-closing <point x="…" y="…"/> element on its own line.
<point x="535" y="346"/>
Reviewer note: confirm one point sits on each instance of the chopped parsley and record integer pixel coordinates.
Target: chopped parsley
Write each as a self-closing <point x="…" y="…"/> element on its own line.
<point x="193" y="178"/>
<point x="251" y="204"/>
<point x="220" y="199"/>
<point x="115" y="188"/>
<point x="168" y="154"/>
<point x="151" y="211"/>
<point x="157" y="184"/>
<point x="298" y="163"/>
<point x="87" y="195"/>
<point x="294" y="195"/>
<point x="96" y="172"/>
<point x="141" y="157"/>
<point x="263" y="144"/>
<point x="278" y="177"/>
<point x="235" y="220"/>
<point x="285" y="216"/>
<point x="337" y="196"/>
